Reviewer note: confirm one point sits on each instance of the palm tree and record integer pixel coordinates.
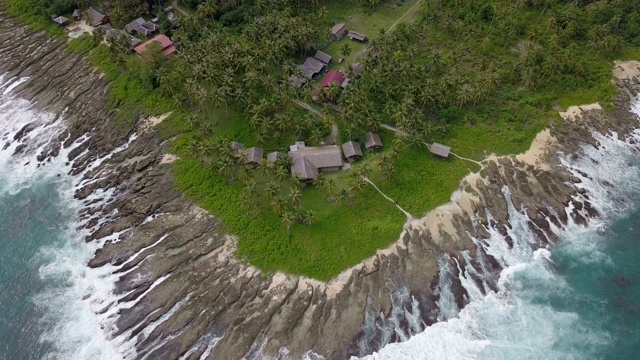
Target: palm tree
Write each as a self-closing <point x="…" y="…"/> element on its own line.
<point x="287" y="219"/>
<point x="294" y="197"/>
<point x="330" y="186"/>
<point x="264" y="168"/>
<point x="281" y="173"/>
<point x="389" y="173"/>
<point x="356" y="182"/>
<point x="345" y="50"/>
<point x="465" y="94"/>
<point x="333" y="90"/>
<point x="273" y="190"/>
<point x="342" y="196"/>
<point x="250" y="188"/>
<point x="320" y="181"/>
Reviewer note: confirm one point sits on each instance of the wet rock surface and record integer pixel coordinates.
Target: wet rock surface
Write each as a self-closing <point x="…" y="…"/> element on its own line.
<point x="174" y="258"/>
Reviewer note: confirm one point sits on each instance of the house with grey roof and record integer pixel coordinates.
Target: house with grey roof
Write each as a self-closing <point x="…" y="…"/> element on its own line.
<point x="96" y="18"/>
<point x="440" y="150"/>
<point x="308" y="162"/>
<point x="254" y="155"/>
<point x="351" y="150"/>
<point x="372" y="141"/>
<point x="132" y="26"/>
<point x="324" y="57"/>
<point x="312" y="67"/>
<point x="77" y="15"/>
<point x="338" y="31"/>
<point x="356" y="36"/>
<point x="275" y="156"/>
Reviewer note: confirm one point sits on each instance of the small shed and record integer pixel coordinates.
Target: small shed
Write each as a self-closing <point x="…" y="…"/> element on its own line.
<point x="77" y="15"/>
<point x="338" y="31"/>
<point x="275" y="156"/>
<point x="254" y="155"/>
<point x="324" y="57"/>
<point x="60" y="20"/>
<point x="351" y="150"/>
<point x="440" y="150"/>
<point x="168" y="9"/>
<point x="357" y="36"/>
<point x="372" y="141"/>
<point x="236" y="147"/>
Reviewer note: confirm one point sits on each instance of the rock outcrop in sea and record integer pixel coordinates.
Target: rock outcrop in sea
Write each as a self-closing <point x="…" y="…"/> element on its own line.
<point x="191" y="295"/>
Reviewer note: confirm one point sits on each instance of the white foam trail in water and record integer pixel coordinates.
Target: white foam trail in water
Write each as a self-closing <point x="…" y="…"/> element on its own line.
<point x="513" y="323"/>
<point x="74" y="294"/>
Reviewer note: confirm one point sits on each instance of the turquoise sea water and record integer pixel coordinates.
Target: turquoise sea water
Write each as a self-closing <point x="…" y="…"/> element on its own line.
<point x="577" y="300"/>
<point x="31" y="221"/>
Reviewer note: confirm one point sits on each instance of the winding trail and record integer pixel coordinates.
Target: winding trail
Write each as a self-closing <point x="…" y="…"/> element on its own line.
<point x="409" y="216"/>
<point x="393" y="129"/>
<point x="403" y="15"/>
<point x="306" y="106"/>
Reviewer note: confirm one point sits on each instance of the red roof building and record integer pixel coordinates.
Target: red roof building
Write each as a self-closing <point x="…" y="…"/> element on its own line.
<point x="165" y="43"/>
<point x="333" y="76"/>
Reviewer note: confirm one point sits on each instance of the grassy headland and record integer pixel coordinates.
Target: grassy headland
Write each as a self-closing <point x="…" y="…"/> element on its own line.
<point x="480" y="76"/>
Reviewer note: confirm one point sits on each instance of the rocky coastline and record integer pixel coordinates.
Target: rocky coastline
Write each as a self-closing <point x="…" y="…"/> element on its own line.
<point x="174" y="258"/>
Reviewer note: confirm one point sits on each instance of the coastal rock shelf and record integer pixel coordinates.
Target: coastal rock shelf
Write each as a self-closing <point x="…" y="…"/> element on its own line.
<point x="180" y="286"/>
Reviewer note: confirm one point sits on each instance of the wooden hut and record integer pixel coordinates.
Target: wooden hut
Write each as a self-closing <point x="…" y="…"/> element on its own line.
<point x="351" y="150"/>
<point x="356" y="36"/>
<point x="338" y="31"/>
<point x="372" y="141"/>
<point x="254" y="156"/>
<point x="440" y="150"/>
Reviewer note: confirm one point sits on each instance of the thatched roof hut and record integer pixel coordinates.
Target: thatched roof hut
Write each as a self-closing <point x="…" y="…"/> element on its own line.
<point x="351" y="150"/>
<point x="307" y="163"/>
<point x="254" y="155"/>
<point x="338" y="31"/>
<point x="440" y="150"/>
<point x="372" y="141"/>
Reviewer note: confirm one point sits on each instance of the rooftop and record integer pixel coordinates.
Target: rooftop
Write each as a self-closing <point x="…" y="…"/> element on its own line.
<point x="165" y="44"/>
<point x="440" y="150"/>
<point x="351" y="149"/>
<point x="309" y="161"/>
<point x="372" y="140"/>
<point x="130" y="27"/>
<point x="333" y="76"/>
<point x="322" y="56"/>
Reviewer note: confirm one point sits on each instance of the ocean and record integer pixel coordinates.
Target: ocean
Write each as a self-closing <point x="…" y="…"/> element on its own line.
<point x="579" y="299"/>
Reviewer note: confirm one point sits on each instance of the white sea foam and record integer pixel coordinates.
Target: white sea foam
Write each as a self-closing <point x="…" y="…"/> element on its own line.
<point x="516" y="321"/>
<point x="74" y="294"/>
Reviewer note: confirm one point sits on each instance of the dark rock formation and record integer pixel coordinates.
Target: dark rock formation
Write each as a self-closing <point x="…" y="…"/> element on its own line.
<point x="184" y="252"/>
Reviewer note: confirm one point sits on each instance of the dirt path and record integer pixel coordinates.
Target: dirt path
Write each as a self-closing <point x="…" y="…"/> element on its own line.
<point x="181" y="9"/>
<point x="403" y="15"/>
<point x="306" y="106"/>
<point x="409" y="216"/>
